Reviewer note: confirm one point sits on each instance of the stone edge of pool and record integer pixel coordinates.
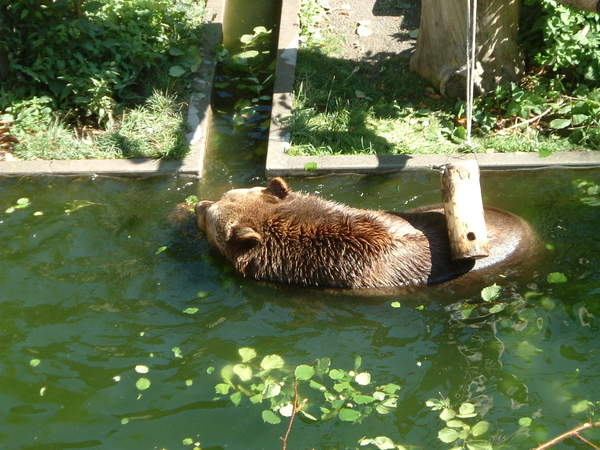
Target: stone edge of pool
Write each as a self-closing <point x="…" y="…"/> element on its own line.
<point x="198" y="119"/>
<point x="279" y="163"/>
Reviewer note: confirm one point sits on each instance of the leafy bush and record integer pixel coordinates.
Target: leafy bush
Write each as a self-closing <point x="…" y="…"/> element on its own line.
<point x="559" y="95"/>
<point x="90" y="55"/>
<point x="562" y="38"/>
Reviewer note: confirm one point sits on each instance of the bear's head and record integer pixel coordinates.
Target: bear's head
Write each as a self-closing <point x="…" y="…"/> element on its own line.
<point x="231" y="224"/>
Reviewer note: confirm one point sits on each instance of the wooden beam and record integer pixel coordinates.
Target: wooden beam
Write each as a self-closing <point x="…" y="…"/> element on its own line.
<point x="461" y="194"/>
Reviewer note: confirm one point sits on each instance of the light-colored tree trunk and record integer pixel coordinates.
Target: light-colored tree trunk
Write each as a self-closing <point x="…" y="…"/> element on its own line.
<point x="441" y="52"/>
<point x="440" y="56"/>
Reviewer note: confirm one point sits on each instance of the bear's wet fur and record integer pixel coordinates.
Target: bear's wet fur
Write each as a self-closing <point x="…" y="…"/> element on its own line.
<point x="279" y="235"/>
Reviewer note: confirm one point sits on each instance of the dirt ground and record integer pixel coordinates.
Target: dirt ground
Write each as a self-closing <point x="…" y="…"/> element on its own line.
<point x="373" y="27"/>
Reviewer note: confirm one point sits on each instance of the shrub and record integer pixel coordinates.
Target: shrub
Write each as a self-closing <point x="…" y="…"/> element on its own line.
<point x="562" y="38"/>
<point x="90" y="55"/>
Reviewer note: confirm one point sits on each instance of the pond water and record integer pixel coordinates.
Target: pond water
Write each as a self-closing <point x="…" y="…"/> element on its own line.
<point x="100" y="283"/>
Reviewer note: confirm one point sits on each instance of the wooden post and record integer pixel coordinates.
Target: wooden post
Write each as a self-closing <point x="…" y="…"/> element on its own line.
<point x="463" y="206"/>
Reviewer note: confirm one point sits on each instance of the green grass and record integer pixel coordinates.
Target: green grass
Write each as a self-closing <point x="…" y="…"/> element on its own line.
<point x="155" y="129"/>
<point x="378" y="106"/>
<point x="344" y="107"/>
<point x="105" y="79"/>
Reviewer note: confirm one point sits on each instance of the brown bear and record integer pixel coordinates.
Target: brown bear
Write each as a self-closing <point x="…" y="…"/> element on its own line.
<point x="278" y="235"/>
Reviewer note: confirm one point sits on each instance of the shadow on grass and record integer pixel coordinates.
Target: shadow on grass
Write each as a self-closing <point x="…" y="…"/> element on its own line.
<point x="347" y="107"/>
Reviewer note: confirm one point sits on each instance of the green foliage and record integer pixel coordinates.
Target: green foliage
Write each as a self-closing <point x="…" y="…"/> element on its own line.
<point x="21" y="203"/>
<point x="462" y="427"/>
<point x="563" y="38"/>
<point x="247" y="79"/>
<point x="155" y="129"/>
<point x="348" y="395"/>
<point x="563" y="110"/>
<point x="343" y="107"/>
<point x="90" y="55"/>
<point x="381" y="442"/>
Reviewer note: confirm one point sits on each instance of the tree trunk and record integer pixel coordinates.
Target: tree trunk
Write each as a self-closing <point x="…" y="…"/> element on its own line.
<point x="584" y="5"/>
<point x="441" y="52"/>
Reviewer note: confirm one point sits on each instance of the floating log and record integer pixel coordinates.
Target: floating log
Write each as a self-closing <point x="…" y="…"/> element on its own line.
<point x="461" y="194"/>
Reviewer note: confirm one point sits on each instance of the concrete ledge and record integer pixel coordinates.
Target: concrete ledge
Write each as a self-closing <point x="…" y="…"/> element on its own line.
<point x="279" y="163"/>
<point x="198" y="119"/>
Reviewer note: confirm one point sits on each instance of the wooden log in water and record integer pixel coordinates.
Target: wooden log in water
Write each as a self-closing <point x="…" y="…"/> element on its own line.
<point x="463" y="206"/>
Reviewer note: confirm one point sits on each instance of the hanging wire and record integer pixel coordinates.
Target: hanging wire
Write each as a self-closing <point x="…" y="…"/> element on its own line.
<point x="471" y="59"/>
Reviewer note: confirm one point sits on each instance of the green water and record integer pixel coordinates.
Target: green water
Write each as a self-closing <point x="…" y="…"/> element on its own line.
<point x="90" y="295"/>
<point x="87" y="295"/>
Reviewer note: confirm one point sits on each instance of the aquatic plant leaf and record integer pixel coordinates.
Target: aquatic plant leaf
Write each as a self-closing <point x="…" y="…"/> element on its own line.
<point x="363" y="399"/>
<point x="236" y="398"/>
<point x="556" y="278"/>
<point x="304" y="372"/>
<point x="349" y="415"/>
<point x="243" y="371"/>
<point x="390" y="388"/>
<point x="479" y="445"/>
<point x="336" y="374"/>
<point x="247" y="354"/>
<point x="287" y="410"/>
<point x="357" y="362"/>
<point x="269" y="416"/>
<point x="525" y="421"/>
<point x="466" y="410"/>
<point x="491" y="293"/>
<point x="270" y="362"/>
<point x="480" y="428"/>
<point x="141" y="368"/>
<point x="142" y="384"/>
<point x="447" y="435"/>
<point x="381" y="442"/>
<point x="447" y="414"/>
<point x="271" y="390"/>
<point x="363" y="378"/>
<point x="455" y="423"/>
<point x="318" y="386"/>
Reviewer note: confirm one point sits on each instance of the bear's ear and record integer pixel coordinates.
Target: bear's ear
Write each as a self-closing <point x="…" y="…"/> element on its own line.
<point x="244" y="237"/>
<point x="278" y="187"/>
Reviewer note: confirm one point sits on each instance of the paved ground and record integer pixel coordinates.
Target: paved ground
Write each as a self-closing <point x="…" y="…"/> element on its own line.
<point x="373" y="27"/>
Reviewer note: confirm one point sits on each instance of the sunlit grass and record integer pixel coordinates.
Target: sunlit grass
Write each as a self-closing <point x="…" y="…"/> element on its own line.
<point x="155" y="129"/>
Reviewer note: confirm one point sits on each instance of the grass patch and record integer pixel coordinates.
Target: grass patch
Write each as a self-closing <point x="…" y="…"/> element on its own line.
<point x="378" y="106"/>
<point x="155" y="129"/>
<point x="95" y="79"/>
